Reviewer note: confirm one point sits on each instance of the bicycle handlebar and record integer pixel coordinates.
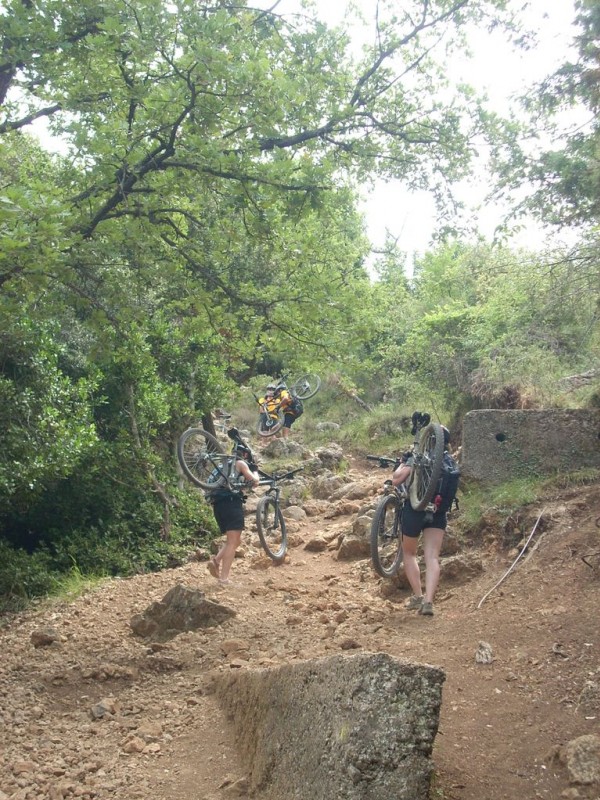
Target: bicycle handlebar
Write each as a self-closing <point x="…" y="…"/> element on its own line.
<point x="266" y="479"/>
<point x="383" y="461"/>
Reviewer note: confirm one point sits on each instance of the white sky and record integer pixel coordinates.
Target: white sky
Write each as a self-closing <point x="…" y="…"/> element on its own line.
<point x="502" y="72"/>
<point x="498" y="70"/>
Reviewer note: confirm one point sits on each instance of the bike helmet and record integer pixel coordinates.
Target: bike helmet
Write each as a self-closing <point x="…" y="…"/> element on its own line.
<point x="280" y="387"/>
<point x="248" y="456"/>
<point x="244" y="452"/>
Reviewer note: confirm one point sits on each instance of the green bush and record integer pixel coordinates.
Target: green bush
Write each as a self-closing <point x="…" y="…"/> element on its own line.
<point x="122" y="539"/>
<point x="24" y="576"/>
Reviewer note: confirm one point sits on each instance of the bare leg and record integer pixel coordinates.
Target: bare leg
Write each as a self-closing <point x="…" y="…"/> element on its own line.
<point x="226" y="554"/>
<point x="213" y="567"/>
<point x="285" y="432"/>
<point x="432" y="544"/>
<point x="411" y="565"/>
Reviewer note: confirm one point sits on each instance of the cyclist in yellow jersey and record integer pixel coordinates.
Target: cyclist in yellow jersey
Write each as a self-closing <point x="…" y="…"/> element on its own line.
<point x="291" y="406"/>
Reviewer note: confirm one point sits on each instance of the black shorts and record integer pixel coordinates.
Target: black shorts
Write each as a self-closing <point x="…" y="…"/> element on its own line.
<point x="288" y="420"/>
<point x="414" y="522"/>
<point x="229" y="513"/>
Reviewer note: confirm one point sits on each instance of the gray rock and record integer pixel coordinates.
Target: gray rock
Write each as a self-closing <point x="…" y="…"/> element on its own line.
<point x="484" y="653"/>
<point x="325" y="485"/>
<point x="44" y="637"/>
<point x="582" y="757"/>
<point x="316" y="545"/>
<point x="295" y="513"/>
<point x="327" y="426"/>
<point x="181" y="609"/>
<point x="330" y="456"/>
<point x="360" y="727"/>
<point x="498" y="445"/>
<point x="284" y="447"/>
<point x="589" y="699"/>
<point x="357" y="490"/>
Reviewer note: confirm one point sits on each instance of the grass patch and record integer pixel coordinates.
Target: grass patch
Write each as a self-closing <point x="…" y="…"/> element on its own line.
<point x="504" y="497"/>
<point x="75" y="583"/>
<point x="585" y="476"/>
<point x="507" y="497"/>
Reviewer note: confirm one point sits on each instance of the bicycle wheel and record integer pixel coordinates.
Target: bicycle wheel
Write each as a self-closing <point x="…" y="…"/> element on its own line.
<point x="386" y="538"/>
<point x="199" y="454"/>
<point x="427" y="468"/>
<point x="268" y="426"/>
<point x="306" y="386"/>
<point x="271" y="528"/>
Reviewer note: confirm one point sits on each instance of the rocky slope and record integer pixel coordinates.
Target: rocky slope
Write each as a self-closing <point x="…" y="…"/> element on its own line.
<point x="91" y="711"/>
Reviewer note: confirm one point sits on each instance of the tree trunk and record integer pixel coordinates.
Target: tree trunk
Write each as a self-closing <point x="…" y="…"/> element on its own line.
<point x="349" y="392"/>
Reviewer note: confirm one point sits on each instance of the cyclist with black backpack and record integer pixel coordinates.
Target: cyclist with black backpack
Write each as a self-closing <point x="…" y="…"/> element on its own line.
<point x="431" y="522"/>
<point x="237" y="475"/>
<point x="291" y="406"/>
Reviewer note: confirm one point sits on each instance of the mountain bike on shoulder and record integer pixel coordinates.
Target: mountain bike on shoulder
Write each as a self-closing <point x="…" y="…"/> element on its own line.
<point x="427" y="457"/>
<point x="271" y="411"/>
<point x="206" y="464"/>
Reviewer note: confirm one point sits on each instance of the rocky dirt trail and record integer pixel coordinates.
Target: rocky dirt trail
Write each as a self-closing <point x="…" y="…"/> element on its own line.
<point x="89" y="710"/>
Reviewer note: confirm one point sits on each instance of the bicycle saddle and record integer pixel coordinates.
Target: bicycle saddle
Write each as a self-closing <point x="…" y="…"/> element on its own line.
<point x="419" y="420"/>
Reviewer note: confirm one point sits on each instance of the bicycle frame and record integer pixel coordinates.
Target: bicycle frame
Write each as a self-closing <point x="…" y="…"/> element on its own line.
<point x="238" y="443"/>
<point x="269" y="407"/>
<point x="272" y="481"/>
<point x="270" y="522"/>
<point x="427" y="455"/>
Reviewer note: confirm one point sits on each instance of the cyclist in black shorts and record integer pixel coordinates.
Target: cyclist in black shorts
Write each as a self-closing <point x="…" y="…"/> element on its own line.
<point x="291" y="406"/>
<point x="432" y="526"/>
<point x="228" y="508"/>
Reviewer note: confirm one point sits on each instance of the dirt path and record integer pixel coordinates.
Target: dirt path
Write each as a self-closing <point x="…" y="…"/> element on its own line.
<point x="162" y="735"/>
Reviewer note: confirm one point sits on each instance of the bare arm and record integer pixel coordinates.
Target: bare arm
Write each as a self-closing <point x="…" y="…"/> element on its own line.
<point x="245" y="470"/>
<point x="401" y="474"/>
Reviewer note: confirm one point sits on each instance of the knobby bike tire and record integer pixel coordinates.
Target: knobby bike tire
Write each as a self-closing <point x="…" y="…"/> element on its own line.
<point x="198" y="453"/>
<point x="306" y="386"/>
<point x="427" y="468"/>
<point x="267" y="426"/>
<point x="271" y="528"/>
<point x="386" y="537"/>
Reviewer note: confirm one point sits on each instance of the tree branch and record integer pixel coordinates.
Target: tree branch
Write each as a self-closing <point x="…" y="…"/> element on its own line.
<point x="20" y="123"/>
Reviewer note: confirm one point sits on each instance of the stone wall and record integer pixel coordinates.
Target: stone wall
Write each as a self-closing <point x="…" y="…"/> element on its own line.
<point x="498" y="445"/>
<point x="354" y="727"/>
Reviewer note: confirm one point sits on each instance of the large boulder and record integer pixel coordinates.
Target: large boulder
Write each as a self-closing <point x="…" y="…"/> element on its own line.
<point x="181" y="609"/>
<point x="582" y="758"/>
<point x="357" y="727"/>
<point x="499" y="445"/>
<point x="325" y="485"/>
<point x="330" y="456"/>
<point x="357" y="542"/>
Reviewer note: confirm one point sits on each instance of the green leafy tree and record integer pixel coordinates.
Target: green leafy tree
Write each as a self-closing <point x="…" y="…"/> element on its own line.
<point x="201" y="219"/>
<point x="498" y="327"/>
<point x="563" y="109"/>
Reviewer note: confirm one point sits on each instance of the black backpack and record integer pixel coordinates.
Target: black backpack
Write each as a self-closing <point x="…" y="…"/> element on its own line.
<point x="218" y="481"/>
<point x="297" y="406"/>
<point x="447" y="487"/>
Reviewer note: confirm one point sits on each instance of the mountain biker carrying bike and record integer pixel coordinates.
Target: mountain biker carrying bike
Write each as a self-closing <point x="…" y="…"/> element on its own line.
<point x="228" y="508"/>
<point x="291" y="406"/>
<point x="433" y="526"/>
<point x="269" y="394"/>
